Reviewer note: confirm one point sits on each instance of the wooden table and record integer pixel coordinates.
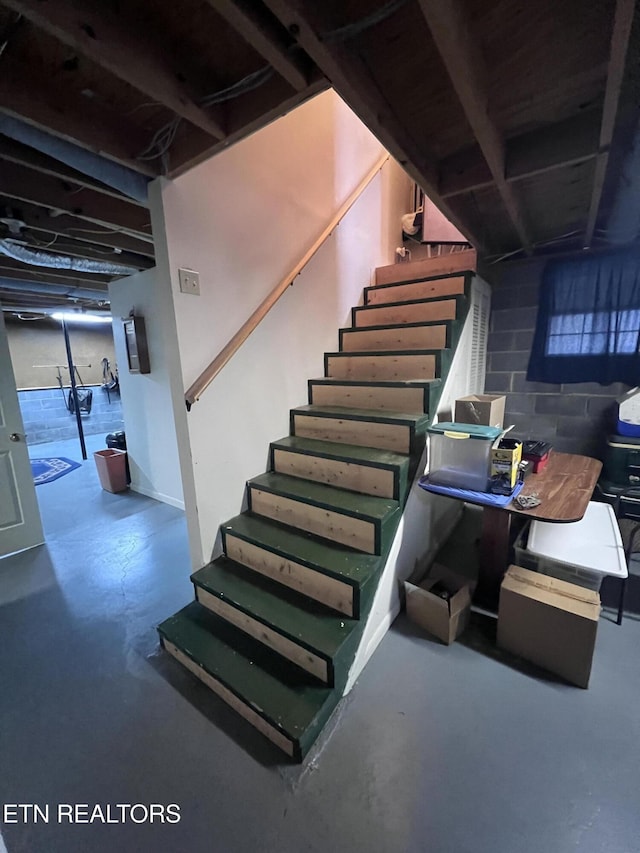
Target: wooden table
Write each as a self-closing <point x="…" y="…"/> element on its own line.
<point x="564" y="487"/>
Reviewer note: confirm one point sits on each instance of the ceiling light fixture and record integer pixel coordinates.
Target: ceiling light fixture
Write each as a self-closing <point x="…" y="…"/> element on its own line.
<point x="81" y="317"/>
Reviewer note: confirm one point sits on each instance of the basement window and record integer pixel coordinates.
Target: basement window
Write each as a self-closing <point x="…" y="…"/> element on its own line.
<point x="588" y="326"/>
<point x="594" y="333"/>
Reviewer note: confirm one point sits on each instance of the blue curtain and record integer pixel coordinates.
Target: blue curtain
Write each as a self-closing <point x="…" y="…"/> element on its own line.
<point x="588" y="327"/>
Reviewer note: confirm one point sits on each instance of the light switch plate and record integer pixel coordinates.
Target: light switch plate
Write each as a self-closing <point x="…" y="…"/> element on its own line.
<point x="189" y="282"/>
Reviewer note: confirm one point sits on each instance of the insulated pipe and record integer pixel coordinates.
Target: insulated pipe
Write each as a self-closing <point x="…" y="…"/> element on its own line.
<point x="36" y="257"/>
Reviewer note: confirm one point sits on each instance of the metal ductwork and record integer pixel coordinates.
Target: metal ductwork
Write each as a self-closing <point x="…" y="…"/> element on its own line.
<point x="120" y="178"/>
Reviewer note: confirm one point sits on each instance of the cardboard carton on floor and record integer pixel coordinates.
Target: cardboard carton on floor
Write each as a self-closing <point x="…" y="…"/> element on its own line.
<point x="487" y="409"/>
<point x="549" y="622"/>
<point x="445" y="619"/>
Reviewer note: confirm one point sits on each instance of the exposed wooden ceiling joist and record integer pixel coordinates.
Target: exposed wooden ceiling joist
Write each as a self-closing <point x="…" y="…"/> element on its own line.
<point x="245" y="115"/>
<point x="509" y="123"/>
<point x="351" y="79"/>
<point x="122" y="51"/>
<point x="88" y="124"/>
<point x="554" y="146"/>
<point x="24" y="155"/>
<point x="23" y="184"/>
<point x="265" y="37"/>
<point x="40" y="220"/>
<point x="619" y="45"/>
<point x="448" y="22"/>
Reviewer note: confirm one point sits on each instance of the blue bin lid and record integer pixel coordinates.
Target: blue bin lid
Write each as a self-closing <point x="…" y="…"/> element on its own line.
<point x="486" y="433"/>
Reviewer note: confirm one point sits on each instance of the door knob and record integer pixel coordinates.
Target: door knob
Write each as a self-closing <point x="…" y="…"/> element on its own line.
<point x="15" y="436"/>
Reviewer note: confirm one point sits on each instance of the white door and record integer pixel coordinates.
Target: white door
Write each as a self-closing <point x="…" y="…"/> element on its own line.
<point x="20" y="525"/>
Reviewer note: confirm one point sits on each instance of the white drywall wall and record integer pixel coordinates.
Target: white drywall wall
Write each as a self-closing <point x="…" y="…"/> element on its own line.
<point x="242" y="220"/>
<point x="147" y="402"/>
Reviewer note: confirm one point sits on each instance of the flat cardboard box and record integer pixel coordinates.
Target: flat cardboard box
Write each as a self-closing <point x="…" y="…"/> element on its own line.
<point x="549" y="622"/>
<point x="444" y="619"/>
<point x="485" y="409"/>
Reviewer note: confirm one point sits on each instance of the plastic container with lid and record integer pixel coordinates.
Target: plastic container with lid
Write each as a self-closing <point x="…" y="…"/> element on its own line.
<point x="622" y="461"/>
<point x="536" y="453"/>
<point x="460" y="455"/>
<point x="581" y="552"/>
<point x="629" y="414"/>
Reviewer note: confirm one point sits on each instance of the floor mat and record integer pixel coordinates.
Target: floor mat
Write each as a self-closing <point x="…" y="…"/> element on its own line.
<point x="48" y="470"/>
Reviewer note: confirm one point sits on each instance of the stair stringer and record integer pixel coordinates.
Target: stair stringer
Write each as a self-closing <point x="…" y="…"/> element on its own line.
<point x="412" y="551"/>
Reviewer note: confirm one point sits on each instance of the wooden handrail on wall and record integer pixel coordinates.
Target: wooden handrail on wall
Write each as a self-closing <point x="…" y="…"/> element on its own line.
<point x="207" y="376"/>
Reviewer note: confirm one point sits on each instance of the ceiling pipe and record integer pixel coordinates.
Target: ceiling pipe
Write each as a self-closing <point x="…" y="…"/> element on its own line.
<point x="118" y="177"/>
<point x="69" y="291"/>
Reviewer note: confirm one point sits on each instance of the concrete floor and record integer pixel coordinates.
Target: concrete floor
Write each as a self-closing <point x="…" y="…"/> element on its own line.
<point x="437" y="749"/>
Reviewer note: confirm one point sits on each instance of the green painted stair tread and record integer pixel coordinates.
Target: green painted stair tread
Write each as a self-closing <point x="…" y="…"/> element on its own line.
<point x="277" y="691"/>
<point x="419" y="421"/>
<point x="378" y="383"/>
<point x="294" y="616"/>
<point x="354" y="504"/>
<point x="458" y="298"/>
<point x="384" y="353"/>
<point x="335" y="450"/>
<point x="354" y="567"/>
<point x="399" y="326"/>
<point x="467" y="274"/>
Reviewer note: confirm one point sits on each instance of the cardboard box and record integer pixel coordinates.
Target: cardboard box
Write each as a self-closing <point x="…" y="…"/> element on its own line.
<point x="444" y="619"/>
<point x="549" y="622"/>
<point x="505" y="466"/>
<point x="485" y="409"/>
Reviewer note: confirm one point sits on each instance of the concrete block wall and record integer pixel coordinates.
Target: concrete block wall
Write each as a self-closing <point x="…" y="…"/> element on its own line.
<point x="575" y="418"/>
<point x="46" y="417"/>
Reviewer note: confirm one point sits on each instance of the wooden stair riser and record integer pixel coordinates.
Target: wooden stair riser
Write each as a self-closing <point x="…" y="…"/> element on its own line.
<point x="456" y="262"/>
<point x="405" y="337"/>
<point x="263" y="726"/>
<point x="292" y="651"/>
<point x="409" y="291"/>
<point x="397" y="366"/>
<point x="388" y="397"/>
<point x="356" y="477"/>
<point x="332" y="592"/>
<point x="396" y="437"/>
<point x="405" y="312"/>
<point x="361" y="534"/>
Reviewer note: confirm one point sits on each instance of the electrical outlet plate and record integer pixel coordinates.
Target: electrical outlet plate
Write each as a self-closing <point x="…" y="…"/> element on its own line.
<point x="189" y="282"/>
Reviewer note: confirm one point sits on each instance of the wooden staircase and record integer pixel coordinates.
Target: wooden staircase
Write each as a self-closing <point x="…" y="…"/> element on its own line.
<point x="277" y="618"/>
